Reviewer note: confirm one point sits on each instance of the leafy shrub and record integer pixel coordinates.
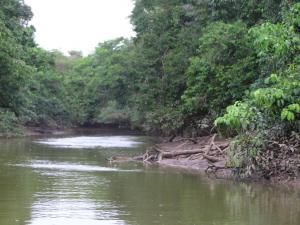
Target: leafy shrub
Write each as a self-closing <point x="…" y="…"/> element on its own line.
<point x="244" y="149"/>
<point x="289" y="113"/>
<point x="9" y="123"/>
<point x="271" y="110"/>
<point x="238" y="118"/>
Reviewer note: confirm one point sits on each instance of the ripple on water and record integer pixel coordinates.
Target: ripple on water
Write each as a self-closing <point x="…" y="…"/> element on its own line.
<point x="74" y="212"/>
<point x="65" y="221"/>
<point x="55" y="166"/>
<point x="91" y="142"/>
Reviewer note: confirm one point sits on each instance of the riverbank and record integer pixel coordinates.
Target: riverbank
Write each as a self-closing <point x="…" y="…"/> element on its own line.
<point x="42" y="131"/>
<point x="207" y="155"/>
<point x="37" y="131"/>
<point x="203" y="154"/>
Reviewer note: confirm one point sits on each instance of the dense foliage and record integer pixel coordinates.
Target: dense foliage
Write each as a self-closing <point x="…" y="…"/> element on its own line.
<point x="232" y="66"/>
<point x="270" y="112"/>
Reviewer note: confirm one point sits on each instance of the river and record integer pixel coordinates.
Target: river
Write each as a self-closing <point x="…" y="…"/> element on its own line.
<point x="67" y="181"/>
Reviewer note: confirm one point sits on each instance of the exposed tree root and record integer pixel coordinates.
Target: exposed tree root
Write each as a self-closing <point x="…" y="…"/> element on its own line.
<point x="281" y="159"/>
<point x="195" y="150"/>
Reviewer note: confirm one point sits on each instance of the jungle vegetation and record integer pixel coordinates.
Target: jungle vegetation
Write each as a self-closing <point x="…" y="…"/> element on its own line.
<point x="231" y="66"/>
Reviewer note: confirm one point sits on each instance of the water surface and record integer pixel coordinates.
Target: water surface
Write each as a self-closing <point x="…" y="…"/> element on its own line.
<point x="67" y="181"/>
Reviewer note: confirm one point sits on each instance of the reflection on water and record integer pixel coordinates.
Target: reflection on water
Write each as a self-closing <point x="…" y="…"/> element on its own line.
<point x="43" y="184"/>
<point x="92" y="142"/>
<point x="70" y="201"/>
<point x="74" y="221"/>
<point x="51" y="165"/>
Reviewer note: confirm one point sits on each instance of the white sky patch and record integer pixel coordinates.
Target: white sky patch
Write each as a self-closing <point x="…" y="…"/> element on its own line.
<point x="80" y="25"/>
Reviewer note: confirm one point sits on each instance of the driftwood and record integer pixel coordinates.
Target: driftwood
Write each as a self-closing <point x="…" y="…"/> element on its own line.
<point x="212" y="159"/>
<point x="209" y="150"/>
<point x="174" y="154"/>
<point x="280" y="159"/>
<point x="158" y="153"/>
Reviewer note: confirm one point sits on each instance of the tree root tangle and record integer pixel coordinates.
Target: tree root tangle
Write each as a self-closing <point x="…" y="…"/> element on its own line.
<point x="192" y="149"/>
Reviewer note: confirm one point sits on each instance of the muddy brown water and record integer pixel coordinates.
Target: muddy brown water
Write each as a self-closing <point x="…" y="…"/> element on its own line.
<point x="67" y="181"/>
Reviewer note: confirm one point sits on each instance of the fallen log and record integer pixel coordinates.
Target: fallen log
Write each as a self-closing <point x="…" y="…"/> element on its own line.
<point x="211" y="158"/>
<point x="173" y="154"/>
<point x="209" y="150"/>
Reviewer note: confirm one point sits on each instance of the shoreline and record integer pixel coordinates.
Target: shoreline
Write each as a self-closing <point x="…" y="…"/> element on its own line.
<point x="226" y="174"/>
<point x="29" y="131"/>
<point x="204" y="156"/>
<point x="216" y="170"/>
<point x="38" y="131"/>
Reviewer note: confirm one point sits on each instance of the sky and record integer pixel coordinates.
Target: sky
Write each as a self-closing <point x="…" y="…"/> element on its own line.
<point x="79" y="24"/>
